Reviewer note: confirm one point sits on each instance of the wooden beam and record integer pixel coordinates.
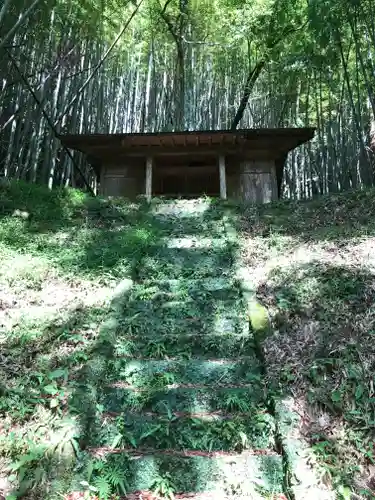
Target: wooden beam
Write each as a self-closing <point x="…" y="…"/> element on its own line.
<point x="149" y="178"/>
<point x="223" y="180"/>
<point x="236" y="150"/>
<point x="180" y="170"/>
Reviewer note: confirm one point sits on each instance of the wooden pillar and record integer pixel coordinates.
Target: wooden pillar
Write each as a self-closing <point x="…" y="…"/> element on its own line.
<point x="149" y="178"/>
<point x="223" y="180"/>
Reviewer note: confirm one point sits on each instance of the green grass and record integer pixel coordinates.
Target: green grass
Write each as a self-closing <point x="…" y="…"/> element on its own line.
<point x="61" y="254"/>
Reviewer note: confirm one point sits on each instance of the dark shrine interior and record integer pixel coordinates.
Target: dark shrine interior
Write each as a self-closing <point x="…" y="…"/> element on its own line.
<point x="186" y="180"/>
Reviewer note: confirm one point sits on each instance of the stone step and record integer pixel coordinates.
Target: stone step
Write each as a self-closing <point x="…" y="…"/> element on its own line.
<point x="194" y="398"/>
<point x="184" y="207"/>
<point x="192" y="285"/>
<point x="185" y="346"/>
<point x="200" y="290"/>
<point x="163" y="323"/>
<point x="183" y="211"/>
<point x="210" y="324"/>
<point x="154" y="373"/>
<point x="184" y="306"/>
<point x="254" y="431"/>
<point x="194" y="242"/>
<point x="186" y="226"/>
<point x="169" y="250"/>
<point x="175" y="263"/>
<point x="149" y="495"/>
<point x="223" y="475"/>
<point x="163" y="315"/>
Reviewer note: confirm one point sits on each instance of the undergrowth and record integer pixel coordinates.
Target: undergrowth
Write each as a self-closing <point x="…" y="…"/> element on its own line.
<point x="62" y="252"/>
<point x="62" y="255"/>
<point x="314" y="263"/>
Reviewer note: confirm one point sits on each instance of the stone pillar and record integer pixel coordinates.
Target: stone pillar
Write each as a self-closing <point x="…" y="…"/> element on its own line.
<point x="223" y="180"/>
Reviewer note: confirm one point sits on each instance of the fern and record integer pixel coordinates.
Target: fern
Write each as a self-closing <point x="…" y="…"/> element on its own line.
<point x="103" y="486"/>
<point x="234" y="402"/>
<point x="107" y="477"/>
<point x="117" y="479"/>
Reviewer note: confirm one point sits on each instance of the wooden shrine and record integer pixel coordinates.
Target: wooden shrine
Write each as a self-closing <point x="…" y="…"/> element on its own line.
<point x="242" y="164"/>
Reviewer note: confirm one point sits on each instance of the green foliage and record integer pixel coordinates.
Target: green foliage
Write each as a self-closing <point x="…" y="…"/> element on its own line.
<point x="67" y="229"/>
<point x="126" y="379"/>
<point x="254" y="430"/>
<point x="107" y="477"/>
<point x="42" y="388"/>
<point x="164" y="487"/>
<point x="319" y="289"/>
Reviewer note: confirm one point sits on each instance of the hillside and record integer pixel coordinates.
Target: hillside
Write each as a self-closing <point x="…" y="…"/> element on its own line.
<point x="314" y="265"/>
<point x="65" y="256"/>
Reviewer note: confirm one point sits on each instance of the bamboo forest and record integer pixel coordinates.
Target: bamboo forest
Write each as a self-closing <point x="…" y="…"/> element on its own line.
<point x="170" y="65"/>
<point x="169" y="328"/>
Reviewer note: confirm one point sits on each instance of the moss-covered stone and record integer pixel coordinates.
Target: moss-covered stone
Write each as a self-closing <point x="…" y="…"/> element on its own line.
<point x="258" y="317"/>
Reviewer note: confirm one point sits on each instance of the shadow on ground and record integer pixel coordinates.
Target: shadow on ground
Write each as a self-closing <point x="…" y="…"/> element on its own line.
<point x="54" y="404"/>
<point x="340" y="217"/>
<point x="322" y="352"/>
<point x="79" y="234"/>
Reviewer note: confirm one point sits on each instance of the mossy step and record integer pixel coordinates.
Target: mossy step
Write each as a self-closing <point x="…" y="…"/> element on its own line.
<point x="192" y="284"/>
<point x="185" y="264"/>
<point x="186" y="207"/>
<point x="200" y="290"/>
<point x="194" y="242"/>
<point x="186" y="219"/>
<point x="189" y="229"/>
<point x="253" y="431"/>
<point x="190" y="255"/>
<point x="183" y="399"/>
<point x="186" y="226"/>
<point x="153" y="325"/>
<point x="186" y="315"/>
<point x="141" y="373"/>
<point x="193" y="305"/>
<point x="257" y="477"/>
<point x="185" y="346"/>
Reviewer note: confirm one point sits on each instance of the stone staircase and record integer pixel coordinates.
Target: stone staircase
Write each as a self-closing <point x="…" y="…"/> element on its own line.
<point x="178" y="382"/>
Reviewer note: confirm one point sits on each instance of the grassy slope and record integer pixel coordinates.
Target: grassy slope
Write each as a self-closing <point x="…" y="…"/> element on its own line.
<point x="314" y="264"/>
<point x="59" y="267"/>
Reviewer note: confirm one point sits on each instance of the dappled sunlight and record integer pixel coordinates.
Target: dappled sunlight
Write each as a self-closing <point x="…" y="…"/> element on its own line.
<point x="152" y="364"/>
<point x="164" y="365"/>
<point x="322" y="351"/>
<point x="194" y="242"/>
<point x="295" y="418"/>
<point x="34" y="294"/>
<point x="222" y="324"/>
<point x="312" y="266"/>
<point x="201" y="405"/>
<point x="181" y="208"/>
<point x="137" y="349"/>
<point x="363" y="252"/>
<point x="300" y="254"/>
